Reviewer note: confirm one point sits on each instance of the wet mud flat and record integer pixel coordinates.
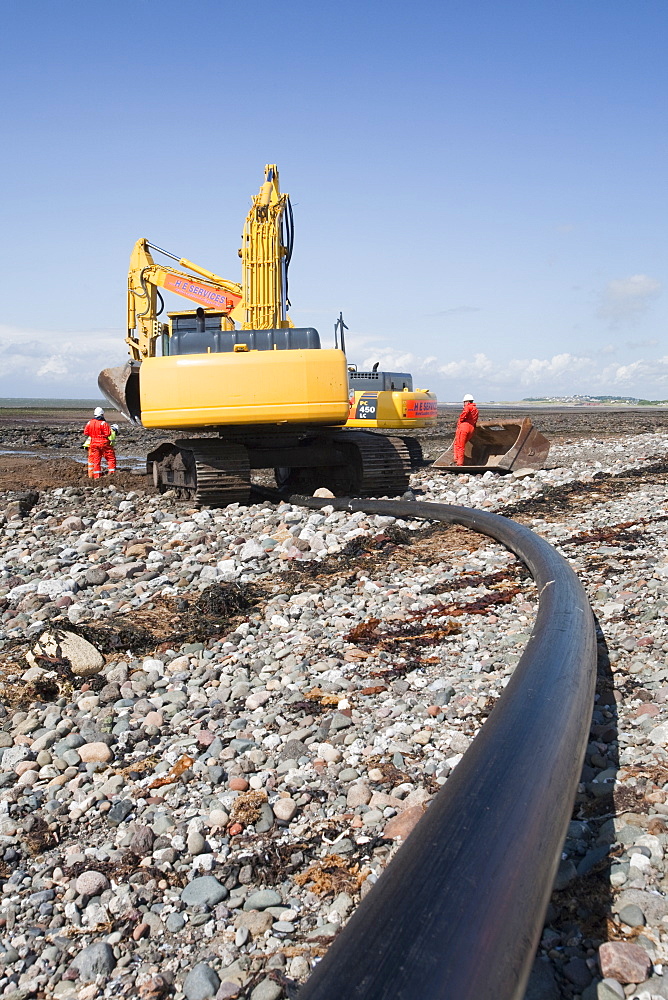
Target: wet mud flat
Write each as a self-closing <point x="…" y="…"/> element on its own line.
<point x="42" y="448"/>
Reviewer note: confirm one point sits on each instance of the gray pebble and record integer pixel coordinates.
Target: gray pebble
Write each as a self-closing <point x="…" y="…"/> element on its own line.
<point x="196" y="843"/>
<point x="632" y="915"/>
<point x="95" y="960"/>
<point x="175" y="922"/>
<point x="119" y="811"/>
<point x="204" y="891"/>
<point x="201" y="983"/>
<point x="263" y="899"/>
<point x="267" y="989"/>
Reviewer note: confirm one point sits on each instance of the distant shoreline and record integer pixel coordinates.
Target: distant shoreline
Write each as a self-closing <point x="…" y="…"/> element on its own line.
<point x="45" y="403"/>
<point x="40" y="404"/>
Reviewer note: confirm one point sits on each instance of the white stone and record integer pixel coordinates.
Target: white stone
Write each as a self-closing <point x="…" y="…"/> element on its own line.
<point x="257" y="699"/>
<point x="228" y="570"/>
<point x="330" y="753"/>
<point x="150" y="663"/>
<point x="54" y="588"/>
<point x="209" y="573"/>
<point x="218" y="817"/>
<point x="21" y="590"/>
<point x="84" y="658"/>
<point x="284" y="809"/>
<point x="654" y="845"/>
<point x="252" y="550"/>
<point x="659" y="735"/>
<point x="13" y="756"/>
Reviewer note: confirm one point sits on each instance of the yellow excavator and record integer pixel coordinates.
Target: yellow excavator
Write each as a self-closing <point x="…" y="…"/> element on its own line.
<point x="260" y="394"/>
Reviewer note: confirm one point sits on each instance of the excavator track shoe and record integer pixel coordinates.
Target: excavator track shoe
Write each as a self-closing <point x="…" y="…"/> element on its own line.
<point x="381" y="466"/>
<point x="208" y="471"/>
<point x="223" y="471"/>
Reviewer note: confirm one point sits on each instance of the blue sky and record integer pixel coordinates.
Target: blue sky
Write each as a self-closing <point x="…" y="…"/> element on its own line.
<point x="480" y="187"/>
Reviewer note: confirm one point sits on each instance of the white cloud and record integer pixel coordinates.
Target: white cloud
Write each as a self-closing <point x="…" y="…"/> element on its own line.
<point x="525" y="371"/>
<point x="36" y="360"/>
<point x="561" y="374"/>
<point x="557" y="369"/>
<point x="480" y="366"/>
<point x="390" y="360"/>
<point x="625" y="299"/>
<point x="638" y="373"/>
<point x="53" y="366"/>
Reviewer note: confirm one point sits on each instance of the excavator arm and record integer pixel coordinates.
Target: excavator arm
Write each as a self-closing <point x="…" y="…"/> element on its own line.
<point x="265" y="256"/>
<point x="145" y="277"/>
<point x="259" y="303"/>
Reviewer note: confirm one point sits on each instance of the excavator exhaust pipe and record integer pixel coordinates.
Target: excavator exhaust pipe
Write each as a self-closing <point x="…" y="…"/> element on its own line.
<point x="120" y="386"/>
<point x="502" y="446"/>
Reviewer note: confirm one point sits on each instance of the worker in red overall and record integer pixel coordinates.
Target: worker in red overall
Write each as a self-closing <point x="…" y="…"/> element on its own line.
<point x="99" y="432"/>
<point x="468" y="418"/>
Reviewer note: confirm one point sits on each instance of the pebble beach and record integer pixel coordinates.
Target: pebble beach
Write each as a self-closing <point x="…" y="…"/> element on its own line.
<point x="218" y="726"/>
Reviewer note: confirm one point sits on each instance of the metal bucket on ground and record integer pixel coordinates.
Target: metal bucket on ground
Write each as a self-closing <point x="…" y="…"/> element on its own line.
<point x="499" y="446"/>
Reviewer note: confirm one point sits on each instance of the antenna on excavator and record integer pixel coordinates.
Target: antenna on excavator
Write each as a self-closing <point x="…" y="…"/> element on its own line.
<point x="339" y="327"/>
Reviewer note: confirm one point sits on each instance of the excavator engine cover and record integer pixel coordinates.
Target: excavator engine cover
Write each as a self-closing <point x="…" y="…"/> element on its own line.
<point x="232" y="388"/>
<point x="502" y="446"/>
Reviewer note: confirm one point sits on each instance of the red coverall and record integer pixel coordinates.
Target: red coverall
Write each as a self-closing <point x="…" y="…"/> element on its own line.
<point x="98" y="431"/>
<point x="468" y="418"/>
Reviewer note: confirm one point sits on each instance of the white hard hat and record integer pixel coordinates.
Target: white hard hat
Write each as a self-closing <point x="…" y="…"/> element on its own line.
<point x="114" y="427"/>
<point x="468" y="398"/>
<point x="98" y="412"/>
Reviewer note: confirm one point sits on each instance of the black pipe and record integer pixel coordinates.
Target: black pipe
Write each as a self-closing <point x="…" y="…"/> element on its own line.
<point x="459" y="911"/>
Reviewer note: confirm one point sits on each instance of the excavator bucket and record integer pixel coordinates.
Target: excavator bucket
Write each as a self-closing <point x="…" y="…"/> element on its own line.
<point x="121" y="387"/>
<point x="502" y="446"/>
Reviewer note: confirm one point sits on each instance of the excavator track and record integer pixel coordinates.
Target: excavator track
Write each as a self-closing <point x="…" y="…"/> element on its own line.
<point x="209" y="471"/>
<point x="369" y="465"/>
<point x="215" y="472"/>
<point x="222" y="471"/>
<point x="382" y="465"/>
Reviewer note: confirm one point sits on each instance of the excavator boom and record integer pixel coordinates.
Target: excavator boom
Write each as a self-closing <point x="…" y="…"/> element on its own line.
<point x="145" y="276"/>
<point x="265" y="256"/>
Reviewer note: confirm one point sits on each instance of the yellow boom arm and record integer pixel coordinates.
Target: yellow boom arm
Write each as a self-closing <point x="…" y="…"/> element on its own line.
<point x="144" y="279"/>
<point x="265" y="255"/>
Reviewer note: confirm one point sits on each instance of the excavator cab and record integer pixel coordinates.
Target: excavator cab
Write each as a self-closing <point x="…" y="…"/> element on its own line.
<point x="502" y="446"/>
